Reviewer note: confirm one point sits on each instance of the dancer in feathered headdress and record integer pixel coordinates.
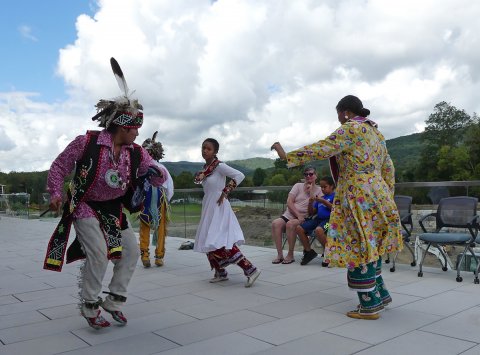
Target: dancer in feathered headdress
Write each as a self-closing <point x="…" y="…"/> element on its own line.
<point x="155" y="212"/>
<point x="108" y="167"/>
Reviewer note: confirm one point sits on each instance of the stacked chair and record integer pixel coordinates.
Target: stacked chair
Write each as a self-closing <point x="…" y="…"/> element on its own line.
<point x="404" y="206"/>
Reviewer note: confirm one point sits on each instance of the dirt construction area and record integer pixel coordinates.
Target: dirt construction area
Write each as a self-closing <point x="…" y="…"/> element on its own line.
<point x="256" y="225"/>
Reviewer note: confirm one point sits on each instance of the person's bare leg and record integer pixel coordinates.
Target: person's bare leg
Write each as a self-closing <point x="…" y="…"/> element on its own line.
<point x="291" y="238"/>
<point x="278" y="225"/>
<point x="303" y="237"/>
<point x="321" y="236"/>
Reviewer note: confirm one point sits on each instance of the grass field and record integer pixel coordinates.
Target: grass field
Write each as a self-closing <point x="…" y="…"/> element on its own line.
<point x="189" y="213"/>
<point x="180" y="213"/>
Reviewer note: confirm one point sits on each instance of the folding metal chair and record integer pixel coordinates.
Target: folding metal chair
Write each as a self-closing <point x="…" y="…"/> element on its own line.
<point x="452" y="212"/>
<point x="404" y="207"/>
<point x="311" y="238"/>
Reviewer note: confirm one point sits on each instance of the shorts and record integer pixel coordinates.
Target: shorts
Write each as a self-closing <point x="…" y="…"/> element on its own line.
<point x="324" y="223"/>
<point x="310" y="224"/>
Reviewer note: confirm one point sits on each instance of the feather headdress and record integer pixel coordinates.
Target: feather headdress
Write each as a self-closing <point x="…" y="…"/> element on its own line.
<point x="155" y="149"/>
<point x="123" y="110"/>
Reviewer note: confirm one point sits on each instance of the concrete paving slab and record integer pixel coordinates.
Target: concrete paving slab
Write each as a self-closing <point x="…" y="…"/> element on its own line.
<point x="174" y="290"/>
<point x="224" y="306"/>
<point x="417" y="342"/>
<point x="297" y="305"/>
<point x="392" y="323"/>
<point x="464" y="325"/>
<point x="47" y="294"/>
<point x="52" y="344"/>
<point x="212" y="327"/>
<point x="8" y="299"/>
<point x="176" y="303"/>
<point x="287" y="329"/>
<point x="141" y="344"/>
<point x="472" y="351"/>
<point x="426" y="287"/>
<point x="294" y="290"/>
<point x="135" y="326"/>
<point x="232" y="344"/>
<point x="444" y="304"/>
<point x="17" y="319"/>
<point x="318" y="343"/>
<point x="40" y="329"/>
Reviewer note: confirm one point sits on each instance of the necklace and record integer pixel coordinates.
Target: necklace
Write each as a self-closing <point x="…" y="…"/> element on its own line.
<point x="112" y="176"/>
<point x="206" y="172"/>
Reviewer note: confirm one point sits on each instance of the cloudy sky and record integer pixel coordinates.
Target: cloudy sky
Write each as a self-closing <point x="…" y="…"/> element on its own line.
<point x="247" y="72"/>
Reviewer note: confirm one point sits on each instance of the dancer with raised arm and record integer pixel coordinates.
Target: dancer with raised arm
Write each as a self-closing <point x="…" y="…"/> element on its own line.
<point x="364" y="222"/>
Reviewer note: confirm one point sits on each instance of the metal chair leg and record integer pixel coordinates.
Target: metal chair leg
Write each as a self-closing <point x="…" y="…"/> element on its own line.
<point x="414" y="260"/>
<point x="476" y="280"/>
<point x="420" y="272"/>
<point x="284" y="237"/>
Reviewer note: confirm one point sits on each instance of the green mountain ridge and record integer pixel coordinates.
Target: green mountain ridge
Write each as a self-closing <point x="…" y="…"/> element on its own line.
<point x="254" y="163"/>
<point x="246" y="166"/>
<point x="404" y="152"/>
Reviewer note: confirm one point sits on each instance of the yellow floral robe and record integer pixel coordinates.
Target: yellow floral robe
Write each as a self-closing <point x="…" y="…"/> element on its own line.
<point x="364" y="223"/>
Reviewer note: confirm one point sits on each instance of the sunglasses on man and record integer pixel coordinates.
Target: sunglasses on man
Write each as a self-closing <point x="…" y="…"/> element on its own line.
<point x="308" y="174"/>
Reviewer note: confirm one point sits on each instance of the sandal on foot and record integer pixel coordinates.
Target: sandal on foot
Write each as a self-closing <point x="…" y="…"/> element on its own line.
<point x="277" y="261"/>
<point x="285" y="262"/>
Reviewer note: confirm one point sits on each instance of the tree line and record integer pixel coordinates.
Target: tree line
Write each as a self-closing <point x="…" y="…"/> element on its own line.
<point x="451" y="146"/>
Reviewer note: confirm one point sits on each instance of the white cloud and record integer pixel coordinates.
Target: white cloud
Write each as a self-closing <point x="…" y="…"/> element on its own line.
<point x="251" y="72"/>
<point x="35" y="131"/>
<point x="6" y="144"/>
<point x="26" y="32"/>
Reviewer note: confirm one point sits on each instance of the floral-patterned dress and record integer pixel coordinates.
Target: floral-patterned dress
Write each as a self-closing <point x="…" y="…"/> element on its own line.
<point x="364" y="223"/>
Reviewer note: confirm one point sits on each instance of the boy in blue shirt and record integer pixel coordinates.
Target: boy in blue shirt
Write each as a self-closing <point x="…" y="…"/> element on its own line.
<point x="321" y="207"/>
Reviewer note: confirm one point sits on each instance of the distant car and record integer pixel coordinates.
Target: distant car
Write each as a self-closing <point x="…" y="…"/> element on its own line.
<point x="237" y="203"/>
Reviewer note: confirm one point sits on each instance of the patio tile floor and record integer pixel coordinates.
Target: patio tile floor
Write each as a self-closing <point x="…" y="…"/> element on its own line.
<point x="175" y="310"/>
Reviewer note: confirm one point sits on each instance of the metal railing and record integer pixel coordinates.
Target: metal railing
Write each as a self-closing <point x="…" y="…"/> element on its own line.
<point x="273" y="200"/>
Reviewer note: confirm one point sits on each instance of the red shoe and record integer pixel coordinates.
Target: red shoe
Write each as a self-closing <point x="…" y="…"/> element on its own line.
<point x="97" y="322"/>
<point x="118" y="316"/>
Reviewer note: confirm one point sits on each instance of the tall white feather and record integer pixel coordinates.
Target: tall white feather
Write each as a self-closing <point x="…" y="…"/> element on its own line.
<point x="117" y="71"/>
